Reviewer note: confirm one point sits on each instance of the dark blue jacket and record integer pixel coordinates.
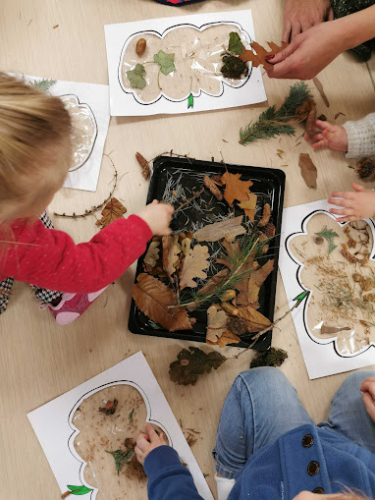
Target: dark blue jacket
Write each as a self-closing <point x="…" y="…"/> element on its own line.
<point x="306" y="458"/>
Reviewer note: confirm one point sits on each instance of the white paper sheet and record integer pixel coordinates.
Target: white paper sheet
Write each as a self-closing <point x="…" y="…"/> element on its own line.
<point x="321" y="356"/>
<point x="51" y="422"/>
<point x="125" y="102"/>
<point x="96" y="100"/>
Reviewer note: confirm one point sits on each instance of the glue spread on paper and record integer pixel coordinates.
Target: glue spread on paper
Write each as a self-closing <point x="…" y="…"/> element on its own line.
<point x="174" y="65"/>
<point x="88" y="107"/>
<point x="88" y="434"/>
<point x="334" y="263"/>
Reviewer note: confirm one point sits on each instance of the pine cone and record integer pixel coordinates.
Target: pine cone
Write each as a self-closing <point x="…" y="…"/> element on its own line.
<point x="270" y="230"/>
<point x="236" y="325"/>
<point x="365" y="168"/>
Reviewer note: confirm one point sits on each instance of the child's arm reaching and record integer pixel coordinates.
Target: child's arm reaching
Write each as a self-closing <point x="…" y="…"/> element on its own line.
<point x="356" y="138"/>
<point x="50" y="259"/>
<point x="168" y="479"/>
<point x="358" y="205"/>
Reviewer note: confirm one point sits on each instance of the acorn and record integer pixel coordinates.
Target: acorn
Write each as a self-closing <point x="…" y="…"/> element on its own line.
<point x="140" y="47"/>
<point x="228" y="295"/>
<point x="229" y="308"/>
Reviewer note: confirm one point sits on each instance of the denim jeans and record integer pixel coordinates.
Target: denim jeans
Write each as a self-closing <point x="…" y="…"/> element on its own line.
<point x="262" y="405"/>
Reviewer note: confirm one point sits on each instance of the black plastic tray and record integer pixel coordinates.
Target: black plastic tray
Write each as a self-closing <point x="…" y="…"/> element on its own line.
<point x="268" y="184"/>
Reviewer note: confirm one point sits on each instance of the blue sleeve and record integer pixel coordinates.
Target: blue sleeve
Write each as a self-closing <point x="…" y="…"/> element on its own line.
<point x="168" y="479"/>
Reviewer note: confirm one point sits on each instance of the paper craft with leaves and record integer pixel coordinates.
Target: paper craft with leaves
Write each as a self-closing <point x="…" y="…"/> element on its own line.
<point x="154" y="299"/>
<point x="137" y="77"/>
<point x="165" y="61"/>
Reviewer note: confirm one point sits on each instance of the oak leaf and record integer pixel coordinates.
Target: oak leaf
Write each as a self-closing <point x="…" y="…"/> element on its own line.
<point x="153" y="298"/>
<point x="219" y="230"/>
<point x="235" y="189"/>
<point x="113" y="210"/>
<point x="308" y="170"/>
<point x="152" y="255"/>
<point x="193" y="267"/>
<point x="249" y="206"/>
<point x="193" y="363"/>
<point x="255" y="320"/>
<point x="261" y="54"/>
<point x="171" y="251"/>
<point x="216" y="323"/>
<point x="226" y="338"/>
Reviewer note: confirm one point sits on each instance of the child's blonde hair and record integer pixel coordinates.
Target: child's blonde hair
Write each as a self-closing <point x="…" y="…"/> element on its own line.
<point x="35" y="148"/>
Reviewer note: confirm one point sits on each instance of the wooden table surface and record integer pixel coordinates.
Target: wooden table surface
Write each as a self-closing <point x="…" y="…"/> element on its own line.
<point x="40" y="360"/>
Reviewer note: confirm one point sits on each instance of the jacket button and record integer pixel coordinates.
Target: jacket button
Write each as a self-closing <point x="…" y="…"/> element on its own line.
<point x="307" y="441"/>
<point x="319" y="491"/>
<point x="313" y="468"/>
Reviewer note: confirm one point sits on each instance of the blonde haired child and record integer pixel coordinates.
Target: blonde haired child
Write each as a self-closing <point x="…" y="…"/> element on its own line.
<point x="356" y="138"/>
<point x="35" y="156"/>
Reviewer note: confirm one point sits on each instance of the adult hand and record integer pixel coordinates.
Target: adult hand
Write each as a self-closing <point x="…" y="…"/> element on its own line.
<point x="359" y="204"/>
<point x="330" y="135"/>
<point x="368" y="396"/>
<point x="158" y="217"/>
<point x="147" y="442"/>
<point x="300" y="15"/>
<point x="308" y="53"/>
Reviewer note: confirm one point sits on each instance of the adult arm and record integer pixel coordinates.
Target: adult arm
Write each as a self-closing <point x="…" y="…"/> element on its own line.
<point x="50" y="259"/>
<point x="312" y="50"/>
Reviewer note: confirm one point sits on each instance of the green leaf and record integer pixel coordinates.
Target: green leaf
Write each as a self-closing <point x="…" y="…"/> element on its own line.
<point x="329" y="235"/>
<point x="131" y="414"/>
<point x="235" y="44"/>
<point x="190" y="101"/>
<point x="165" y="61"/>
<point x="44" y="84"/>
<point x="78" y="490"/>
<point x="137" y="77"/>
<point x="300" y="297"/>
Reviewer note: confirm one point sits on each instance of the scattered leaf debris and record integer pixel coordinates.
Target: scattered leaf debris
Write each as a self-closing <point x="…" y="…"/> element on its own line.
<point x="110" y="407"/>
<point x="320" y="88"/>
<point x="308" y="170"/>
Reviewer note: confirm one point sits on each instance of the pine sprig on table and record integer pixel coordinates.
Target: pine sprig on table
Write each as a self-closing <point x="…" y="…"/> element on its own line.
<point x="273" y="122"/>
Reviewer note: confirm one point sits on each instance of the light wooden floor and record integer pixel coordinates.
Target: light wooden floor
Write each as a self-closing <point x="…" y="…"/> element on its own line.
<point x="39" y="360"/>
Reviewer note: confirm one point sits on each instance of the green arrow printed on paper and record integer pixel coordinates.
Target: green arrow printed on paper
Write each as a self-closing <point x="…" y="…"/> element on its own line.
<point x="191" y="101"/>
<point x="78" y="490"/>
<point x="300" y="297"/>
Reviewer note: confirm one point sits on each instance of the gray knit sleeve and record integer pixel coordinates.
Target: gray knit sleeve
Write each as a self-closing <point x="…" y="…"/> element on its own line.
<point x="361" y="136"/>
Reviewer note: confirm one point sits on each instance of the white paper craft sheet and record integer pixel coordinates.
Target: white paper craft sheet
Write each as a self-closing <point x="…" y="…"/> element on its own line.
<point x="125" y="103"/>
<point x="54" y="431"/>
<point x="320" y="355"/>
<point x="96" y="99"/>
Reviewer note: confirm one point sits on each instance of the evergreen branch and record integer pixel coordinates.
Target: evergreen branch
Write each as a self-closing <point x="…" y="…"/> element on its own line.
<point x="121" y="457"/>
<point x="273" y="122"/>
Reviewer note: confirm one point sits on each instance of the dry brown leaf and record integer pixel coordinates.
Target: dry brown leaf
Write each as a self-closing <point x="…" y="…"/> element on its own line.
<point x="235" y="189"/>
<point x="261" y="54"/>
<point x="152" y="255"/>
<point x="266" y="215"/>
<point x="249" y="206"/>
<point x="328" y="330"/>
<point x="308" y="170"/>
<point x="211" y="185"/>
<point x="185" y="246"/>
<point x="319" y="86"/>
<point x="113" y="210"/>
<point x="171" y="251"/>
<point x="255" y="320"/>
<point x="216" y="323"/>
<point x="193" y="267"/>
<point x="213" y="282"/>
<point x="220" y="230"/>
<point x="261" y="274"/>
<point x="153" y="298"/>
<point x="249" y="293"/>
<point x="226" y="338"/>
<point x="146" y="171"/>
<point x="307" y="113"/>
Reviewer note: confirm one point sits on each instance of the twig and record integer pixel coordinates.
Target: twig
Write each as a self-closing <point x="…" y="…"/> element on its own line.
<point x="319" y="86"/>
<point x="187" y="202"/>
<point x="97" y="207"/>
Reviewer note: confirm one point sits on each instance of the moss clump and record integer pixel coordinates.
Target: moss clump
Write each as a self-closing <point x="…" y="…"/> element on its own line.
<point x="233" y="67"/>
<point x="273" y="357"/>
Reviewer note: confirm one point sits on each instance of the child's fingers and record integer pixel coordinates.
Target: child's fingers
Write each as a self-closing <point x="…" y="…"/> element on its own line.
<point x="368" y="385"/>
<point x="142" y="443"/>
<point x="317" y="137"/>
<point x="151" y="433"/>
<point x="320" y="144"/>
<point x="341" y="202"/>
<point x="323" y="125"/>
<point x="351" y="218"/>
<point x="348" y="195"/>
<point x="341" y="211"/>
<point x="358" y="187"/>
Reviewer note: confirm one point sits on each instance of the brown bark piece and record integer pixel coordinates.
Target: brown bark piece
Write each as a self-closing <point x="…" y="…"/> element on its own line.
<point x="219" y="230"/>
<point x="153" y="298"/>
<point x="261" y="54"/>
<point x="308" y="170"/>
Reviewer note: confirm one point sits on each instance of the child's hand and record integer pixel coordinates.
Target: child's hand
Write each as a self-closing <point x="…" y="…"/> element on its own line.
<point x="148" y="442"/>
<point x="333" y="136"/>
<point x="158" y="217"/>
<point x="358" y="205"/>
<point x="368" y="396"/>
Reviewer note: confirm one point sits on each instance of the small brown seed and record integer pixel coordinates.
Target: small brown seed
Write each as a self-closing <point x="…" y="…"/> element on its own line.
<point x="141" y="46"/>
<point x="318" y="240"/>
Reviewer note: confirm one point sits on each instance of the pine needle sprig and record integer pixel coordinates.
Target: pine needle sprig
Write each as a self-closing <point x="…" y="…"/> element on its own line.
<point x="44" y="84"/>
<point x="121" y="457"/>
<point x="273" y="121"/>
